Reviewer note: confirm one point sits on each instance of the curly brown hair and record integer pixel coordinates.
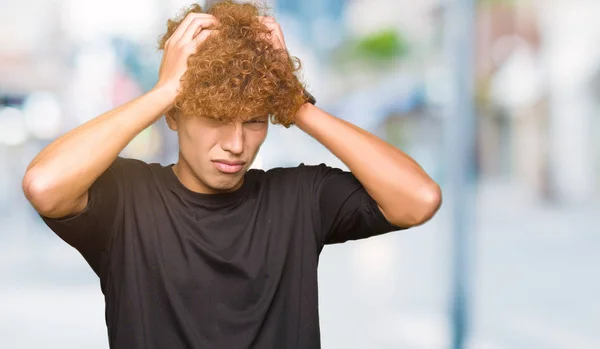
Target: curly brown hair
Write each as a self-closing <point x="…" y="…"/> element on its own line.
<point x="236" y="72"/>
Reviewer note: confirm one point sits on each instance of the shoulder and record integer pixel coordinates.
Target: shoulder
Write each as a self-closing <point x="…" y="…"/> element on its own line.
<point x="129" y="163"/>
<point x="132" y="171"/>
<point x="302" y="175"/>
<point x="129" y="166"/>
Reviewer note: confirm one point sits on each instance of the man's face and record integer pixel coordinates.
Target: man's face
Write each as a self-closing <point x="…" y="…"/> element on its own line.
<point x="218" y="153"/>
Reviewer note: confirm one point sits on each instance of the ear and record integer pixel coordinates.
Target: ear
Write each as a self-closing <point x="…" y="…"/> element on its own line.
<point x="171" y="117"/>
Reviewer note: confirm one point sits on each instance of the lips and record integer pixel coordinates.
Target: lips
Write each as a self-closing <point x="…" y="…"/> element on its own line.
<point x="229" y="167"/>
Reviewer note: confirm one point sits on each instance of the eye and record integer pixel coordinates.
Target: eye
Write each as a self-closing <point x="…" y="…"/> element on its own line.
<point x="256" y="121"/>
<point x="256" y="124"/>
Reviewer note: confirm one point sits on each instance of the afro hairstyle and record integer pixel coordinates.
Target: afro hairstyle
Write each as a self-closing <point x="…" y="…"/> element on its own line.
<point x="236" y="73"/>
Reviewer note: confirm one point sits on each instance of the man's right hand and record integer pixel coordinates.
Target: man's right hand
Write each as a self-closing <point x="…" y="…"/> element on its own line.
<point x="184" y="41"/>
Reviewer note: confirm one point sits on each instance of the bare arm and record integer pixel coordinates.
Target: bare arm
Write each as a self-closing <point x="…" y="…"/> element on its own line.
<point x="405" y="194"/>
<point x="57" y="180"/>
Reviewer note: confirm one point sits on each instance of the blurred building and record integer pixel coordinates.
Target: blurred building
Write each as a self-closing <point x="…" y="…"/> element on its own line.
<point x="537" y="111"/>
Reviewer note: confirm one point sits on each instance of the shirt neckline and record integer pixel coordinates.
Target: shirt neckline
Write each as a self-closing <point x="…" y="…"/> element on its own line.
<point x="203" y="199"/>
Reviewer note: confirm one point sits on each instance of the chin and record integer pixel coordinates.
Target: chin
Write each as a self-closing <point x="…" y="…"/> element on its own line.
<point x="226" y="183"/>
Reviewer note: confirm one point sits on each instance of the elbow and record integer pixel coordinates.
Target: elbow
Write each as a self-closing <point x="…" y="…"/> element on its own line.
<point x="37" y="189"/>
<point x="430" y="202"/>
<point x="423" y="207"/>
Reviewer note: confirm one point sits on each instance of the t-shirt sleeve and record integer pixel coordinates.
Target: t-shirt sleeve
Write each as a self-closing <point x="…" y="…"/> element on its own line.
<point x="345" y="211"/>
<point x="90" y="230"/>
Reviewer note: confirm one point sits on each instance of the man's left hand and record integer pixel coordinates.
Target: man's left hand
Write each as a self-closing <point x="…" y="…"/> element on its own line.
<point x="276" y="38"/>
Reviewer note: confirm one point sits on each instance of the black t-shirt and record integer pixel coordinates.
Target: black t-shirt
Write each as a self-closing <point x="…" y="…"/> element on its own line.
<point x="180" y="269"/>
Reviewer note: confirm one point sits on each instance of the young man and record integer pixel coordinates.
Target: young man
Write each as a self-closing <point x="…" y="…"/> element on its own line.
<point x="205" y="253"/>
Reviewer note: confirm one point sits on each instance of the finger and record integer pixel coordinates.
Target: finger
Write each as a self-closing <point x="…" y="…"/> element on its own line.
<point x="198" y="39"/>
<point x="204" y="34"/>
<point x="276" y="33"/>
<point x="266" y="19"/>
<point x="195" y="27"/>
<point x="279" y="34"/>
<point x="273" y="26"/>
<point x="184" y="25"/>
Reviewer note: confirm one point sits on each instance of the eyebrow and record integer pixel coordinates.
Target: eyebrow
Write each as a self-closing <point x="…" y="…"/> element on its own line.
<point x="257" y="118"/>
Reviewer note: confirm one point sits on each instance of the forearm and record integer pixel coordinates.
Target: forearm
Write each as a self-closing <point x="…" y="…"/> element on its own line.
<point x="404" y="192"/>
<point x="63" y="172"/>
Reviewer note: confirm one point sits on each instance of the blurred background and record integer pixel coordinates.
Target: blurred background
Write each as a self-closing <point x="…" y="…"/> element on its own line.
<point x="498" y="100"/>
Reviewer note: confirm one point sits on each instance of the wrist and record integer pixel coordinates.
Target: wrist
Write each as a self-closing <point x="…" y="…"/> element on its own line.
<point x="164" y="95"/>
<point x="303" y="115"/>
<point x="309" y="98"/>
<point x="168" y="89"/>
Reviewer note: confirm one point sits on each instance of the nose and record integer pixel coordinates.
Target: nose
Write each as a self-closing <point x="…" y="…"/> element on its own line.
<point x="232" y="138"/>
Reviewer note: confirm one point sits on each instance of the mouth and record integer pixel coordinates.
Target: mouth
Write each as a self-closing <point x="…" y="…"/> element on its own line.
<point x="229" y="167"/>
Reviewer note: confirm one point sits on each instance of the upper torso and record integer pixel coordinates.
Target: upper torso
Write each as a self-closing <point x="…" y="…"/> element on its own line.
<point x="181" y="269"/>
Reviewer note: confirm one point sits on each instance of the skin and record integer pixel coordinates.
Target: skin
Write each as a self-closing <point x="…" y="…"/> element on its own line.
<point x="205" y="145"/>
<point x="57" y="180"/>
